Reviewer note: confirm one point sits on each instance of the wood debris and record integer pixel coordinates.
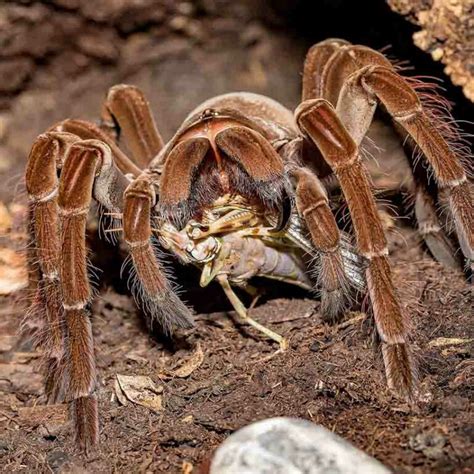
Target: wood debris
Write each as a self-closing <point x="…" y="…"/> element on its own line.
<point x="448" y="341"/>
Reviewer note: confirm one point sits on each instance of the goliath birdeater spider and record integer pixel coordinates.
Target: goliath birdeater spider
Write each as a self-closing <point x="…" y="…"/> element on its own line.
<point x="238" y="192"/>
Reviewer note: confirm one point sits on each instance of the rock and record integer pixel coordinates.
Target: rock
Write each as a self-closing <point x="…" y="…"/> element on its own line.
<point x="290" y="446"/>
<point x="57" y="459"/>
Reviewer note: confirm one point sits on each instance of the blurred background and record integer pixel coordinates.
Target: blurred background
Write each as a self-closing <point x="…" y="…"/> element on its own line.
<point x="59" y="57"/>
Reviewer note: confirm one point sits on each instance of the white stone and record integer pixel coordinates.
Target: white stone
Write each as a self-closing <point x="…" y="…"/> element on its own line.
<point x="290" y="446"/>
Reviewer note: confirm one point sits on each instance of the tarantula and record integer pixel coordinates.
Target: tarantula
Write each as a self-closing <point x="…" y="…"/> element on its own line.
<point x="238" y="192"/>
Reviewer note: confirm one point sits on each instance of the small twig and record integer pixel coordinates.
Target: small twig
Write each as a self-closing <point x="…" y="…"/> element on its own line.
<point x="351" y="321"/>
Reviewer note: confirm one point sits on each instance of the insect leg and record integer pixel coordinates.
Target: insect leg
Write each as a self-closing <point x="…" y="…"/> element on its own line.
<point x="242" y="312"/>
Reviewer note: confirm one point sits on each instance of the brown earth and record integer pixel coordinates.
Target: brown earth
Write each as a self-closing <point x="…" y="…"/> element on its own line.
<point x="64" y="55"/>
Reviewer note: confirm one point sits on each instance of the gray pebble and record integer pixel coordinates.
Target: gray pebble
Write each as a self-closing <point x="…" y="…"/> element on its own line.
<point x="290" y="446"/>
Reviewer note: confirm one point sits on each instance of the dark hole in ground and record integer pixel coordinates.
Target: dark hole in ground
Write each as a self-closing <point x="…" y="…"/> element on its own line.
<point x="371" y="23"/>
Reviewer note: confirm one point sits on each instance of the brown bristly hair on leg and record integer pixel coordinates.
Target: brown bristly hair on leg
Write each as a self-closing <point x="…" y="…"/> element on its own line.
<point x="319" y="121"/>
<point x="329" y="265"/>
<point x="150" y="285"/>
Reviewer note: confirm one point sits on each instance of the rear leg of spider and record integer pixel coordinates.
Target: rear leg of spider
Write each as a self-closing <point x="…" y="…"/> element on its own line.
<point x="403" y="104"/>
<point x="356" y="80"/>
<point x="318" y="120"/>
<point x="126" y="111"/>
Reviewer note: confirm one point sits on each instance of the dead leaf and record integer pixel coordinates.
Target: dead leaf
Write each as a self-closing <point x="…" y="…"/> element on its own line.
<point x="13" y="274"/>
<point x="455" y="350"/>
<point x="141" y="390"/>
<point x="7" y="342"/>
<point x="119" y="393"/>
<point x="136" y="357"/>
<point x="190" y="365"/>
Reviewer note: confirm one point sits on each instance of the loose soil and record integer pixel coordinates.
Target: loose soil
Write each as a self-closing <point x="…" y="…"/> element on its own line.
<point x="331" y="375"/>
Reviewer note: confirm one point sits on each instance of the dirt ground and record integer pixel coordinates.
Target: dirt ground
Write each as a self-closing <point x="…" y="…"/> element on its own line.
<point x="220" y="376"/>
<point x="330" y="375"/>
